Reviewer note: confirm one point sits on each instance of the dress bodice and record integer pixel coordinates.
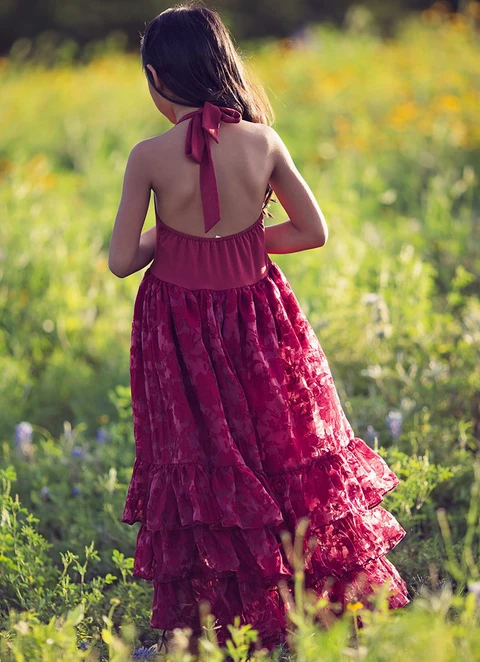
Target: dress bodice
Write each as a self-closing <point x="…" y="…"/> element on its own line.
<point x="216" y="263"/>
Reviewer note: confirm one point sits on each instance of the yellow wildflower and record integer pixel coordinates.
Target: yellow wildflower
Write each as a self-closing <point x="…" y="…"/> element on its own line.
<point x="354" y="606"/>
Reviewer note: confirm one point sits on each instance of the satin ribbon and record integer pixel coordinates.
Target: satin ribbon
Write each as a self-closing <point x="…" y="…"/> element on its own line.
<point x="204" y="125"/>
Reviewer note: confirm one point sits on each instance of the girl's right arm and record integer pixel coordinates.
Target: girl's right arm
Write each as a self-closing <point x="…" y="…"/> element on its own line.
<point x="306" y="227"/>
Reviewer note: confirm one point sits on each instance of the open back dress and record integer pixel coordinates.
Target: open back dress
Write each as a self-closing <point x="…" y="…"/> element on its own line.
<point x="239" y="433"/>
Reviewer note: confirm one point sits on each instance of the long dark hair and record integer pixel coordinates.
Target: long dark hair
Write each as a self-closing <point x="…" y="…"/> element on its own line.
<point x="194" y="56"/>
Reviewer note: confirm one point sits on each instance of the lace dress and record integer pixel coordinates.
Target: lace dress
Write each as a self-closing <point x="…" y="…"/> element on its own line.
<point x="239" y="432"/>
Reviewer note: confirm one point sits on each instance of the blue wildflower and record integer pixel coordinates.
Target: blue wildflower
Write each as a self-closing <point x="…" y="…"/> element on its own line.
<point x="102" y="435"/>
<point x="143" y="653"/>
<point x="77" y="451"/>
<point x="45" y="491"/>
<point x="23" y="433"/>
<point x="394" y="420"/>
<point x="83" y="645"/>
<point x="371" y="434"/>
<point x="23" y="440"/>
<point x="75" y="491"/>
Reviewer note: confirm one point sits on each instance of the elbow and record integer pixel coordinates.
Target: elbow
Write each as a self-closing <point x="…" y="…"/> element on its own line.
<point x="117" y="270"/>
<point x="321" y="238"/>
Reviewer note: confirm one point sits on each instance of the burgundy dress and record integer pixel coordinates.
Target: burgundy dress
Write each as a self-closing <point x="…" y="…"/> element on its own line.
<point x="240" y="432"/>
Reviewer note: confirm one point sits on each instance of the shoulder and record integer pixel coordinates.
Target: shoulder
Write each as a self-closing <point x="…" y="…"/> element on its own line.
<point x="139" y="153"/>
<point x="145" y="147"/>
<point x="264" y="133"/>
<point x="146" y="152"/>
<point x="137" y="167"/>
<point x="162" y="142"/>
<point x="273" y="141"/>
<point x="143" y="159"/>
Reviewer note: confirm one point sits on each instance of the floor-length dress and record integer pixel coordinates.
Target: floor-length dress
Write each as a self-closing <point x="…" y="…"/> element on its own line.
<point x="239" y="432"/>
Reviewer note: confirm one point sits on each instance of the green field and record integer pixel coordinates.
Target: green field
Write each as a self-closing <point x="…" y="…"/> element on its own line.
<point x="387" y="135"/>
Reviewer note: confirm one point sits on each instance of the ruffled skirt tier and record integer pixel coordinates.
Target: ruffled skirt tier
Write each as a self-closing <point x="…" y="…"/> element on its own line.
<point x="239" y="433"/>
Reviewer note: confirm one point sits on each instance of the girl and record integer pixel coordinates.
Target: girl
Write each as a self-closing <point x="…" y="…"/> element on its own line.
<point x="238" y="427"/>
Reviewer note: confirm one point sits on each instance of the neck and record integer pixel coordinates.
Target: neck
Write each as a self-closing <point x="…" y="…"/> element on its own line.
<point x="181" y="111"/>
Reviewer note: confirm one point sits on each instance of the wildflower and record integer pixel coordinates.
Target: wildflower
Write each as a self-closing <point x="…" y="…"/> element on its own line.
<point x="45" y="491"/>
<point x="75" y="491"/>
<point x="394" y="420"/>
<point x="102" y="435"/>
<point x="23" y="439"/>
<point x="143" y="653"/>
<point x="23" y="433"/>
<point x="354" y="606"/>
<point x="77" y="451"/>
<point x="83" y="645"/>
<point x="371" y="434"/>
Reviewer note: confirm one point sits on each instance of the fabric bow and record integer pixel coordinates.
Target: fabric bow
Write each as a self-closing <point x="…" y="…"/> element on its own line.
<point x="204" y="125"/>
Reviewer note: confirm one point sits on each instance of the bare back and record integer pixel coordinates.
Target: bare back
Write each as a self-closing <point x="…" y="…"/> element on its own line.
<point x="243" y="164"/>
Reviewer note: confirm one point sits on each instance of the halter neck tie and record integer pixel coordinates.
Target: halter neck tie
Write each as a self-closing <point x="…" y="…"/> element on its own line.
<point x="205" y="123"/>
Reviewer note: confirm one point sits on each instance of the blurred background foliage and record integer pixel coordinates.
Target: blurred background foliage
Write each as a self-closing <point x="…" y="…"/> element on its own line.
<point x="386" y="133"/>
<point x="79" y="22"/>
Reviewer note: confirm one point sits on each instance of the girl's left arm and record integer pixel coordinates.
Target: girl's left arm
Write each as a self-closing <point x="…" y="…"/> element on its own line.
<point x="130" y="250"/>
